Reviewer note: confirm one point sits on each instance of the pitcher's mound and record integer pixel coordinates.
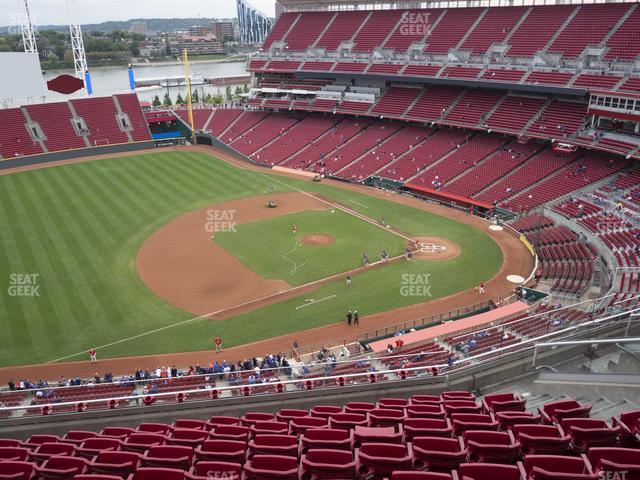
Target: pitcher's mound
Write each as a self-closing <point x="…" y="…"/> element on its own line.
<point x="317" y="240"/>
<point x="435" y="248"/>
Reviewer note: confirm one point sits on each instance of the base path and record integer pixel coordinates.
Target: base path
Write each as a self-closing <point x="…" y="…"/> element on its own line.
<point x="517" y="261"/>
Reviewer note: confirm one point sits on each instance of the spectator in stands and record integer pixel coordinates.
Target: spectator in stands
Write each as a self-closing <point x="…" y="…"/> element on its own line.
<point x="12" y="385"/>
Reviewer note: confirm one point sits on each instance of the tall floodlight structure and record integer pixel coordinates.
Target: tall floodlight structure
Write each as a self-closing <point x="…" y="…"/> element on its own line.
<point x="26" y="26"/>
<point x="77" y="44"/>
<point x="254" y="25"/>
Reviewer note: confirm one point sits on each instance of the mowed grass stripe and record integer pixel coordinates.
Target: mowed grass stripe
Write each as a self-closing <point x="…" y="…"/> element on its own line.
<point x="14" y="312"/>
<point x="34" y="333"/>
<point x="87" y="270"/>
<point x="111" y="194"/>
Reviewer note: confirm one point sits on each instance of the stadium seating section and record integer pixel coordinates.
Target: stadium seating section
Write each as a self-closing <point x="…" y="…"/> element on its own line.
<point x="486" y="167"/>
<point x="447" y="436"/>
<point x="81" y="123"/>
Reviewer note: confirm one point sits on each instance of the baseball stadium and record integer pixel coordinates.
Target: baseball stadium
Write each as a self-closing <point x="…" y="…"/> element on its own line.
<point x="409" y="250"/>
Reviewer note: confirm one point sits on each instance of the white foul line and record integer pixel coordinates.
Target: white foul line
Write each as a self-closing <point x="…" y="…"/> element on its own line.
<point x="315" y="301"/>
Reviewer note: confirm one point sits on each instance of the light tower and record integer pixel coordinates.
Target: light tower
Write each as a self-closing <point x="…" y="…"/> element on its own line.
<point x="28" y="32"/>
<point x="77" y="45"/>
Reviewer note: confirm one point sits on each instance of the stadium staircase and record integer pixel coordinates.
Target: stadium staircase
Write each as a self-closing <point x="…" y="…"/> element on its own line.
<point x="122" y="113"/>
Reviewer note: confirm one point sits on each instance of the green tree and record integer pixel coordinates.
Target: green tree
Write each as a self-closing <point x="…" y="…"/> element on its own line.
<point x="156" y="101"/>
<point x="238" y="91"/>
<point x="218" y="99"/>
<point x="167" y="100"/>
<point x="135" y="48"/>
<point x="246" y="89"/>
<point x="179" y="100"/>
<point x="227" y="93"/>
<point x="195" y="98"/>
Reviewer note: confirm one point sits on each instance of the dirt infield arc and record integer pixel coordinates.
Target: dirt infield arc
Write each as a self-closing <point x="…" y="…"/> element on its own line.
<point x="181" y="264"/>
<point x="517" y="261"/>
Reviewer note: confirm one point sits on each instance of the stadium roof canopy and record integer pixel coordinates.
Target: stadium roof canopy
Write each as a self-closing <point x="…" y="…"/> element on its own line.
<point x="390" y="4"/>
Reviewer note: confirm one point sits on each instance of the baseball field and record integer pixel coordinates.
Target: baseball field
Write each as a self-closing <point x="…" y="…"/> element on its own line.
<point x="71" y="238"/>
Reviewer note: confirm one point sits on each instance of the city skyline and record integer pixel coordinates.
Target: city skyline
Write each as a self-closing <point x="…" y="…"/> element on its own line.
<point x="49" y="12"/>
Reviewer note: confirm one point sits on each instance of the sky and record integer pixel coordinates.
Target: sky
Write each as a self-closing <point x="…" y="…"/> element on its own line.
<point x="54" y="12"/>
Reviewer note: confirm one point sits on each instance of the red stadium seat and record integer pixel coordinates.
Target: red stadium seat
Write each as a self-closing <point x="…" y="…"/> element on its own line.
<point x="590" y="432"/>
<point x="285" y="445"/>
<point x="221" y="450"/>
<point x="359" y="407"/>
<point x="503" y="402"/>
<point x="96" y="476"/>
<point x="438" y="454"/>
<point x="387" y="435"/>
<point x="299" y="425"/>
<point x="472" y="421"/>
<point x="489" y="471"/>
<point x="457" y="395"/>
<point x="190" y="424"/>
<point x="34" y="440"/>
<point x="541" y="439"/>
<point x="397" y="403"/>
<point x="187" y="437"/>
<point x="117" y="432"/>
<point x="379" y="417"/>
<point x="266" y="428"/>
<point x="161" y="428"/>
<point x="120" y="464"/>
<point x="556" y="411"/>
<point x="491" y="447"/>
<point x="17" y="470"/>
<point x="61" y="467"/>
<point x="141" y="441"/>
<point x="379" y="460"/>
<point x="45" y="451"/>
<point x="422" y="476"/>
<point x="217" y="420"/>
<point x="425" y="411"/>
<point x="555" y="467"/>
<point x="271" y="467"/>
<point x="426" y="399"/>
<point x="92" y="446"/>
<point x="427" y="427"/>
<point x="319" y="464"/>
<point x="156" y="473"/>
<point x="168" y="456"/>
<point x="10" y="442"/>
<point x="230" y="432"/>
<point x="213" y="470"/>
<point x="629" y="423"/>
<point x="17" y="454"/>
<point x="461" y="406"/>
<point x="251" y="418"/>
<point x="605" y="461"/>
<point x="507" y="420"/>
<point x="288" y="414"/>
<point x="325" y="411"/>
<point x="77" y="436"/>
<point x="348" y="421"/>
<point x="326" y="438"/>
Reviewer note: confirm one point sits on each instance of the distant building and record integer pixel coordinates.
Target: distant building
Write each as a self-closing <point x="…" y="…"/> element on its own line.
<point x="195" y="45"/>
<point x="223" y="30"/>
<point x="138" y="27"/>
<point x="200" y="30"/>
<point x="254" y="25"/>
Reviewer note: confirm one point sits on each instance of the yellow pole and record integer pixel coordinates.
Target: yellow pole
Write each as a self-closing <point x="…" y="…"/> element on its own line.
<point x="189" y="104"/>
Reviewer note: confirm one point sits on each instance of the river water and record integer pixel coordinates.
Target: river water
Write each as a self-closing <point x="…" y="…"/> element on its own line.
<point x="110" y="80"/>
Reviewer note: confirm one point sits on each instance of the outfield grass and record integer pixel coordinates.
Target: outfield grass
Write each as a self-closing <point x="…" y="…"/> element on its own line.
<point x="269" y="248"/>
<point x="78" y="228"/>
